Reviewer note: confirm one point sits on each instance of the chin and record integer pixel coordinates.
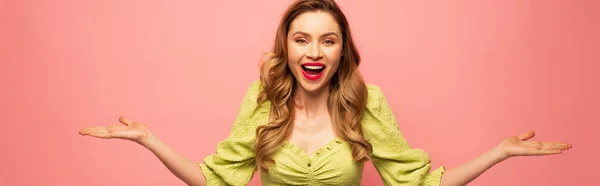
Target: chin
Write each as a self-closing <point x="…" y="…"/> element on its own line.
<point x="313" y="86"/>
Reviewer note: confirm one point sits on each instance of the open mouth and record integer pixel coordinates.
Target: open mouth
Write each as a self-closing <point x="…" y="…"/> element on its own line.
<point x="313" y="70"/>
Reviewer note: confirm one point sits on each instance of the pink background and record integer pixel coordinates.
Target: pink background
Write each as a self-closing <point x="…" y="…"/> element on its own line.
<point x="459" y="75"/>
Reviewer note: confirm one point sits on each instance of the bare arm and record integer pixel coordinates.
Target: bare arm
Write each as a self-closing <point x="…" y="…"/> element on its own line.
<point x="467" y="172"/>
<point x="186" y="170"/>
<point x="510" y="147"/>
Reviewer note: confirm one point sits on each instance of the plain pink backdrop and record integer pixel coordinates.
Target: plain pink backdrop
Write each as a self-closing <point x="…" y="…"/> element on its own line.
<point x="459" y="75"/>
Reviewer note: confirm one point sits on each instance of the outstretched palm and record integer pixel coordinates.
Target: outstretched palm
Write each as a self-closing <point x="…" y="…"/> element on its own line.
<point x="522" y="146"/>
<point x="130" y="130"/>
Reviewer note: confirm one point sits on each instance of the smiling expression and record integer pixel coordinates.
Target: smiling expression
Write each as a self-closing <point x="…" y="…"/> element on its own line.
<point x="314" y="49"/>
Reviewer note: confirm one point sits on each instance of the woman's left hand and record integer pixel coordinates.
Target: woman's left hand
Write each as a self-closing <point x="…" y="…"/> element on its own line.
<point x="522" y="146"/>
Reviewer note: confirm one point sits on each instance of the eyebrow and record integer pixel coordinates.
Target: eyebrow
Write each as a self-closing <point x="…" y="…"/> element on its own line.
<point x="322" y="36"/>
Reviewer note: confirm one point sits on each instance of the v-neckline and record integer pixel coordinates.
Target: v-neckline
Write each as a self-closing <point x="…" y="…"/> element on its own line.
<point x="292" y="146"/>
<point x="328" y="146"/>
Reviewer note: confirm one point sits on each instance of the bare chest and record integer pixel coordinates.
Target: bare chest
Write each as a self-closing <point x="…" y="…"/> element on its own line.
<point x="310" y="136"/>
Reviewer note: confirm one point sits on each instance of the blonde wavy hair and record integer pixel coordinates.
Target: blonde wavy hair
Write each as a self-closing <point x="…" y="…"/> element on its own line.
<point x="347" y="96"/>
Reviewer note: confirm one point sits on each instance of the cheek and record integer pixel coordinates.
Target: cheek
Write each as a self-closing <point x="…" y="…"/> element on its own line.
<point x="294" y="53"/>
<point x="335" y="54"/>
<point x="334" y="67"/>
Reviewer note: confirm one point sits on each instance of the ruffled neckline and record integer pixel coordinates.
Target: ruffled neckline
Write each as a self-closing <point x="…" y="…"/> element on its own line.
<point x="331" y="145"/>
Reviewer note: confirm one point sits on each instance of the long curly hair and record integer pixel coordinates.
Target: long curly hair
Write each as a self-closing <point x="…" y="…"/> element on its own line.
<point x="347" y="97"/>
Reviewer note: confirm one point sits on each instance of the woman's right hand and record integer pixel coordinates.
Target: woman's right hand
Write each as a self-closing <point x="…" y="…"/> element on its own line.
<point x="130" y="130"/>
<point x="186" y="170"/>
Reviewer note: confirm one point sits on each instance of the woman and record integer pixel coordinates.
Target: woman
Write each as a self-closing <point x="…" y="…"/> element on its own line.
<point x="311" y="120"/>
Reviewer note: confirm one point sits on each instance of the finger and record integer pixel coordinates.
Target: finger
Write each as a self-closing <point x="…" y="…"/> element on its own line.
<point x="100" y="133"/>
<point x="125" y="121"/>
<point x="560" y="144"/>
<point x="91" y="129"/>
<point x="116" y="131"/>
<point x="556" y="146"/>
<point x="545" y="152"/>
<point x="527" y="135"/>
<point x="82" y="131"/>
<point x="103" y="135"/>
<point x="533" y="144"/>
<point x="113" y="128"/>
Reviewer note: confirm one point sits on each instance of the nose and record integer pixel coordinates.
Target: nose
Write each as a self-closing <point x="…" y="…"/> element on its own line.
<point x="314" y="51"/>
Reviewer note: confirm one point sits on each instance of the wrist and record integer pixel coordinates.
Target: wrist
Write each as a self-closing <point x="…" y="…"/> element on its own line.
<point x="497" y="154"/>
<point x="149" y="141"/>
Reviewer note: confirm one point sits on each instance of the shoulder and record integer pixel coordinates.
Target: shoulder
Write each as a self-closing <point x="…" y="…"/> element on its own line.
<point x="253" y="91"/>
<point x="378" y="121"/>
<point x="249" y="102"/>
<point x="375" y="98"/>
<point x="378" y="111"/>
<point x="374" y="90"/>
<point x="255" y="87"/>
<point x="251" y="113"/>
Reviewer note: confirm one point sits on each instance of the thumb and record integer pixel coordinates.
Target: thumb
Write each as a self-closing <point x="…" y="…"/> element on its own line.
<point x="527" y="135"/>
<point x="125" y="121"/>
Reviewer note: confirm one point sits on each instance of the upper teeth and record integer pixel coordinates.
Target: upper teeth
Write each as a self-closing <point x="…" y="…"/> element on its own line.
<point x="314" y="67"/>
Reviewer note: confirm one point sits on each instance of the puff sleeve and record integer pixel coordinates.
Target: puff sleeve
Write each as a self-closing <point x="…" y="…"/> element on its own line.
<point x="395" y="161"/>
<point x="234" y="160"/>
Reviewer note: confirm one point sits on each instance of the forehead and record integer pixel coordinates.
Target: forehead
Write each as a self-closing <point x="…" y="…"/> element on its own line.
<point x="314" y="23"/>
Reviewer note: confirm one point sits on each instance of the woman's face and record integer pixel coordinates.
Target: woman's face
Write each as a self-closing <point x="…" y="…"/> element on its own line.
<point x="314" y="49"/>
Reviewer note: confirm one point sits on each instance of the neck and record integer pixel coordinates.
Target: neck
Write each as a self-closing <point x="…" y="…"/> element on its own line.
<point x="312" y="104"/>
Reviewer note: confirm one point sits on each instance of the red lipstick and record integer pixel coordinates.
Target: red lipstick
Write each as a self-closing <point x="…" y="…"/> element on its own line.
<point x="312" y="70"/>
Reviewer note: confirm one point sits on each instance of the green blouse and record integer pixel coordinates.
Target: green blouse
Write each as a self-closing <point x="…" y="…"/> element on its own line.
<point x="397" y="164"/>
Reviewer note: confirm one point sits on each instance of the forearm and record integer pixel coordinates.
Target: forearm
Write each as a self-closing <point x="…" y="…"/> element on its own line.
<point x="468" y="171"/>
<point x="186" y="170"/>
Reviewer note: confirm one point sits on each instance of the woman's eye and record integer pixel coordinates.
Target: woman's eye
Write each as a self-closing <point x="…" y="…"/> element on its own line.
<point x="329" y="42"/>
<point x="301" y="41"/>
